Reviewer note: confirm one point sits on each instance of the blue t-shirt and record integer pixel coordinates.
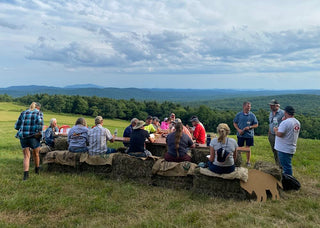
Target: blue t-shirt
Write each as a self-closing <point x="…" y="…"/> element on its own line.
<point x="244" y="120"/>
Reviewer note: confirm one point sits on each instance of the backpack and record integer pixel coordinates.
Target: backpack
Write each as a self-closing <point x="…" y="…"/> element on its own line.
<point x="290" y="182"/>
<point x="222" y="154"/>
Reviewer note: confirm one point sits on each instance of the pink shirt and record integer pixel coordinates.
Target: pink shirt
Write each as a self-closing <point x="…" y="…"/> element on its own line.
<point x="164" y="125"/>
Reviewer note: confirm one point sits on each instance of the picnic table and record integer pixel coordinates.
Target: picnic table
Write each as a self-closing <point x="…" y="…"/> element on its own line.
<point x="199" y="153"/>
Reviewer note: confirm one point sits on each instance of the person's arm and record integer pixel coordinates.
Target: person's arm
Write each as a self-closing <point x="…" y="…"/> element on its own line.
<point x="17" y="126"/>
<point x="47" y="134"/>
<point x="235" y="154"/>
<point x="250" y="127"/>
<point x="151" y="139"/>
<point x="110" y="137"/>
<point x="278" y="133"/>
<point x="237" y="128"/>
<point x="212" y="152"/>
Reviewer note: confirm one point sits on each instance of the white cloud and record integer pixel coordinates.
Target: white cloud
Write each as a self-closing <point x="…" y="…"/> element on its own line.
<point x="164" y="37"/>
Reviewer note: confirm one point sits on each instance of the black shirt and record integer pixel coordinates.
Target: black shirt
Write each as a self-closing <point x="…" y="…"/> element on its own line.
<point x="137" y="140"/>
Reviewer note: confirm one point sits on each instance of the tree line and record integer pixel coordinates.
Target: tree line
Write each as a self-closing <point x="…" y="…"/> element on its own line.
<point x="128" y="109"/>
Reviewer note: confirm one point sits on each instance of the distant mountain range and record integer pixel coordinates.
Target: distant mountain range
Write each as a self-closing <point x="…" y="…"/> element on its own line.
<point x="175" y="95"/>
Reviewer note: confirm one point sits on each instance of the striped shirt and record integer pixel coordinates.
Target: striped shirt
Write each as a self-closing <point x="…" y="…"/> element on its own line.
<point x="29" y="123"/>
<point x="98" y="137"/>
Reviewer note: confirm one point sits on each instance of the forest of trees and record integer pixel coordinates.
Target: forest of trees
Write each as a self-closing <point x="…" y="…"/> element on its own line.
<point x="128" y="109"/>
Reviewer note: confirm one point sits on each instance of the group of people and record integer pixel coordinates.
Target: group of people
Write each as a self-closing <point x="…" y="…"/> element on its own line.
<point x="283" y="134"/>
<point x="178" y="137"/>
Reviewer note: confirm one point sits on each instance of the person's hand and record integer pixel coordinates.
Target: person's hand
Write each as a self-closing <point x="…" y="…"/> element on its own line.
<point x="275" y="129"/>
<point x="240" y="131"/>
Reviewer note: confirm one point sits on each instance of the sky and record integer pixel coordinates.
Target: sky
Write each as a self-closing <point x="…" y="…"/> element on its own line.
<point x="203" y="44"/>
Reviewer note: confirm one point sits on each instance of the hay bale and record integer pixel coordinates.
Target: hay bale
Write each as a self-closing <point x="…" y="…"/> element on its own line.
<point x="54" y="167"/>
<point x="61" y="143"/>
<point x="173" y="182"/>
<point x="215" y="186"/>
<point x="199" y="155"/>
<point x="128" y="167"/>
<point x="270" y="168"/>
<point x="238" y="160"/>
<point x="104" y="170"/>
<point x="157" y="150"/>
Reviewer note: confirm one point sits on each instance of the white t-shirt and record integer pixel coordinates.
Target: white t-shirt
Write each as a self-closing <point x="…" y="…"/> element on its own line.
<point x="230" y="146"/>
<point x="288" y="143"/>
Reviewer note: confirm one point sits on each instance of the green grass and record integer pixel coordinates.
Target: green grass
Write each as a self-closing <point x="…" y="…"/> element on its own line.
<point x="86" y="200"/>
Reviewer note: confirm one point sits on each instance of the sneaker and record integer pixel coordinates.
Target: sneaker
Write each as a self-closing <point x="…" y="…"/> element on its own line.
<point x="248" y="164"/>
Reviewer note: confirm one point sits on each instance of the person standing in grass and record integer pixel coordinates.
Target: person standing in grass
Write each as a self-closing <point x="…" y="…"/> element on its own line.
<point x="78" y="136"/>
<point x="275" y="118"/>
<point x="29" y="126"/>
<point x="245" y="122"/>
<point x="286" y="139"/>
<point x="98" y="137"/>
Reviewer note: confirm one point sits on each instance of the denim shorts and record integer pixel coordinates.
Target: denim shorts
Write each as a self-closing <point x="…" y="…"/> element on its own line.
<point x="32" y="142"/>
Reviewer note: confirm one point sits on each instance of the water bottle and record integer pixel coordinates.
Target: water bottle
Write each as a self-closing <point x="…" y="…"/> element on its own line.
<point x="208" y="139"/>
<point x="116" y="132"/>
<point x="275" y="122"/>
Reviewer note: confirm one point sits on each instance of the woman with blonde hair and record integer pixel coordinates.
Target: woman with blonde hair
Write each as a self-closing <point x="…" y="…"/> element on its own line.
<point x="178" y="143"/>
<point x="223" y="151"/>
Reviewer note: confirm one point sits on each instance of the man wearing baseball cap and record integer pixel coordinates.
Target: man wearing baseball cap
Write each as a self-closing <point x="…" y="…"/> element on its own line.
<point x="275" y="118"/>
<point x="286" y="139"/>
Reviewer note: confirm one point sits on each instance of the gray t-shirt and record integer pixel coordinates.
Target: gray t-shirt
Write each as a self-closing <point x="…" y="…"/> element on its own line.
<point x="275" y="120"/>
<point x="230" y="146"/>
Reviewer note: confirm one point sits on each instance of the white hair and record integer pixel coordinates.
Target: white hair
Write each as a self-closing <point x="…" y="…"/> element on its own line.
<point x="52" y="120"/>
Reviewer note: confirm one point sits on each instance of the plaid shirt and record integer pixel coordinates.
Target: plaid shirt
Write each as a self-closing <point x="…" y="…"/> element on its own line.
<point x="98" y="137"/>
<point x="30" y="122"/>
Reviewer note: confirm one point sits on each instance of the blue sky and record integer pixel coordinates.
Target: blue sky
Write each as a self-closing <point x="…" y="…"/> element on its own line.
<point x="161" y="44"/>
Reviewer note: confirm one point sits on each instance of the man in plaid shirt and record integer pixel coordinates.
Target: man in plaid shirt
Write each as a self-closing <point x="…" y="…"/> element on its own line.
<point x="29" y="126"/>
<point x="98" y="137"/>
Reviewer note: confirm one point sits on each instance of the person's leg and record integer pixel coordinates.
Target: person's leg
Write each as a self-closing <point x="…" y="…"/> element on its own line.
<point x="36" y="158"/>
<point x="249" y="144"/>
<point x="285" y="162"/>
<point x="111" y="150"/>
<point x="271" y="138"/>
<point x="240" y="141"/>
<point x="26" y="162"/>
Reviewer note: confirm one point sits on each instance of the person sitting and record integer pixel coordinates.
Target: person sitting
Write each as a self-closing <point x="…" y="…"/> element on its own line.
<point x="98" y="137"/>
<point x="178" y="143"/>
<point x="127" y="132"/>
<point x="165" y="124"/>
<point x="156" y="123"/>
<point x="185" y="129"/>
<point x="199" y="133"/>
<point x="51" y="133"/>
<point x="78" y="137"/>
<point x="148" y="125"/>
<point x="223" y="151"/>
<point x="137" y="141"/>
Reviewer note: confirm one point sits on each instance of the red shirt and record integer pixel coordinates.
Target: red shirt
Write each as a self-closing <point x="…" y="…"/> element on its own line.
<point x="200" y="134"/>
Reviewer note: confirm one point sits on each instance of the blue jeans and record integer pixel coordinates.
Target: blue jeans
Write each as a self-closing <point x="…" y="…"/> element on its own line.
<point x="285" y="162"/>
<point x="78" y="149"/>
<point x="220" y="169"/>
<point x="32" y="142"/>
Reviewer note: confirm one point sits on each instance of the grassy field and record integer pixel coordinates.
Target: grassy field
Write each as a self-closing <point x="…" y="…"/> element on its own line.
<point x="70" y="200"/>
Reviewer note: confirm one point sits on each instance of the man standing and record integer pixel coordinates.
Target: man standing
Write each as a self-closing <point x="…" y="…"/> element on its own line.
<point x="98" y="137"/>
<point x="127" y="132"/>
<point x="244" y="123"/>
<point x="29" y="126"/>
<point x="275" y="118"/>
<point x="286" y="139"/>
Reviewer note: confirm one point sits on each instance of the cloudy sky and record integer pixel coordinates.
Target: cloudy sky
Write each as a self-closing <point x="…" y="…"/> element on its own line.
<point x="170" y="44"/>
